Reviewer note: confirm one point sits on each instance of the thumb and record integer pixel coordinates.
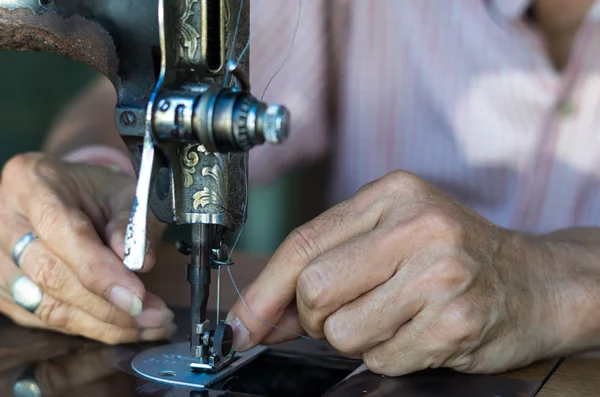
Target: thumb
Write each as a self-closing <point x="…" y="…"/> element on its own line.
<point x="267" y="298"/>
<point x="117" y="226"/>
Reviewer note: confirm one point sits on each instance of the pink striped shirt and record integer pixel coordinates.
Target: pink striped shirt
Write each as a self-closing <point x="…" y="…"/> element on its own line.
<point x="461" y="93"/>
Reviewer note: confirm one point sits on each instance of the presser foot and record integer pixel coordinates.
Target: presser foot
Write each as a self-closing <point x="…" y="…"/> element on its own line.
<point x="213" y="364"/>
<point x="213" y="349"/>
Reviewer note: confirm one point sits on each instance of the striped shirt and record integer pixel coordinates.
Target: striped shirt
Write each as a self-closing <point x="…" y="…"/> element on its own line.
<point x="462" y="93"/>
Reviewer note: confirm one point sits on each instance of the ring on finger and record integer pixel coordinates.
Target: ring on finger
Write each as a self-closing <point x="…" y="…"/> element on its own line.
<point x="21" y="245"/>
<point x="26" y="294"/>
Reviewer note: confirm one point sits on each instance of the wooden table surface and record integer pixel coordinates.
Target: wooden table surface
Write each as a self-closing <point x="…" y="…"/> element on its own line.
<point x="573" y="376"/>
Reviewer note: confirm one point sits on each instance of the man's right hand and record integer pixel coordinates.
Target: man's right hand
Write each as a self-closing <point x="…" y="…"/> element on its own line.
<point x="79" y="214"/>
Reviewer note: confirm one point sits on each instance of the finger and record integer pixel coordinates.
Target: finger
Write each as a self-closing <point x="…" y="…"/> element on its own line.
<point x="426" y="341"/>
<point x="275" y="287"/>
<point x="21" y="316"/>
<point x="287" y="329"/>
<point x="346" y="272"/>
<point x="55" y="278"/>
<point x="117" y="226"/>
<point x="155" y="313"/>
<point x="406" y="352"/>
<point x="375" y="317"/>
<point x="72" y="237"/>
<point x="59" y="316"/>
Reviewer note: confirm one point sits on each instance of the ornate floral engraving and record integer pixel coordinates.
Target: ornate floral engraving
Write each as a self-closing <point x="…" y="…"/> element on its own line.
<point x="187" y="35"/>
<point x="219" y="186"/>
<point x="207" y="196"/>
<point x="189" y="161"/>
<point x="217" y="172"/>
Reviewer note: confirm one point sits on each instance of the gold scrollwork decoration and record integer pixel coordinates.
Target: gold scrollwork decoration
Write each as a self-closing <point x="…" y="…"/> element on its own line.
<point x="187" y="36"/>
<point x="189" y="161"/>
<point x="206" y="197"/>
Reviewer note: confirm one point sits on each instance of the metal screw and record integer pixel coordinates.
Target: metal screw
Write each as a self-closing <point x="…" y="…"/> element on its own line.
<point x="275" y="122"/>
<point x="128" y="118"/>
<point x="164" y="105"/>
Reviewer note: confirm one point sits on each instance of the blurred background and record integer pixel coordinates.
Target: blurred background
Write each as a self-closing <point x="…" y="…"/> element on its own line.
<point x="36" y="86"/>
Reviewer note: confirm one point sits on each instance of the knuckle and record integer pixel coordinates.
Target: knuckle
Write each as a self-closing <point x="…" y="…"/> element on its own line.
<point x="64" y="221"/>
<point x="433" y="220"/>
<point x="466" y="364"/>
<point x="341" y="337"/>
<point x="400" y="180"/>
<point x="313" y="290"/>
<point x="48" y="273"/>
<point x="303" y="242"/>
<point x="79" y="223"/>
<point x="15" y="166"/>
<point x="49" y="221"/>
<point x="53" y="313"/>
<point x="369" y="187"/>
<point x="450" y="273"/>
<point x="463" y="326"/>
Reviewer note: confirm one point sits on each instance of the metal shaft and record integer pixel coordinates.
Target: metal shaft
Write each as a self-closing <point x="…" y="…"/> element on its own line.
<point x="218" y="294"/>
<point x="199" y="278"/>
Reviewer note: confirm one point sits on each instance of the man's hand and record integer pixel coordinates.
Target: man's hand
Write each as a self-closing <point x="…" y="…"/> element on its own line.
<point x="407" y="279"/>
<point x="79" y="213"/>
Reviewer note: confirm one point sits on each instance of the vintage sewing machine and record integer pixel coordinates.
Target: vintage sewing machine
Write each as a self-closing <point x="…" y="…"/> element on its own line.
<point x="185" y="111"/>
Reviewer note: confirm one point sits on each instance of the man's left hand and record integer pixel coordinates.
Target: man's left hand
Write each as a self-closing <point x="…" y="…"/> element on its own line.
<point x="406" y="278"/>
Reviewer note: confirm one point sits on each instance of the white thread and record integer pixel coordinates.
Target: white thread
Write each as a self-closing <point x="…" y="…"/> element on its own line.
<point x="260" y="319"/>
<point x="229" y="68"/>
<point x="258" y="3"/>
<point x="232" y="49"/>
<point x="239" y="294"/>
<point x="287" y="57"/>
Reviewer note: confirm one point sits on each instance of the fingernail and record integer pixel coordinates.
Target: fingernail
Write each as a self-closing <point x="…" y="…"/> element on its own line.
<point x="229" y="318"/>
<point x="126" y="300"/>
<point x="155" y="318"/>
<point x="241" y="336"/>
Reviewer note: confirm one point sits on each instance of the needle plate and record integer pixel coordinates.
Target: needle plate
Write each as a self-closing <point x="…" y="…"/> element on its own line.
<point x="170" y="364"/>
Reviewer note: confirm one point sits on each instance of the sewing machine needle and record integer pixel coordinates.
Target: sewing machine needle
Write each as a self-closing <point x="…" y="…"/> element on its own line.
<point x="218" y="293"/>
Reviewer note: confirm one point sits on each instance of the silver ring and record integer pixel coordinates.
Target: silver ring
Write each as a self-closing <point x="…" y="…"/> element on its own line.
<point x="26" y="294"/>
<point x="20" y="246"/>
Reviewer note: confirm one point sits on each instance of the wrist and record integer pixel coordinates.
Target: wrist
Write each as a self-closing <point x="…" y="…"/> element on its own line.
<point x="102" y="155"/>
<point x="571" y="275"/>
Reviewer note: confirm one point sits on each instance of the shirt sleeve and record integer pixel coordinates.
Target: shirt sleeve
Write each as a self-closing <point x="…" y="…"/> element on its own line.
<point x="302" y="85"/>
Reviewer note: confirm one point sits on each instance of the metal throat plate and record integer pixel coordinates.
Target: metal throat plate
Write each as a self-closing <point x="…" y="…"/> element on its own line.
<point x="170" y="364"/>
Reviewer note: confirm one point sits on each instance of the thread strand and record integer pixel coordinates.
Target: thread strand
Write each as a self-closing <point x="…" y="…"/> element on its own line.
<point x="287" y="57"/>
<point x="239" y="294"/>
<point x="258" y="318"/>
